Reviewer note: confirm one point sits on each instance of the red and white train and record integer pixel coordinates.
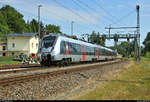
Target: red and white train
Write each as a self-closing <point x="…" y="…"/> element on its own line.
<point x="57" y="48"/>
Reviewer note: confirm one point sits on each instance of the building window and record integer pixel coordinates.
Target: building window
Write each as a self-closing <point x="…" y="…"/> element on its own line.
<point x="13" y="45"/>
<point x="4" y="48"/>
<point x="36" y="45"/>
<point x="4" y="54"/>
<point x="32" y="45"/>
<point x="12" y="53"/>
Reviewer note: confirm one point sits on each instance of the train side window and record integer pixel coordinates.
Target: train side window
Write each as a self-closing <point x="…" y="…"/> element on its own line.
<point x="103" y="51"/>
<point x="72" y="48"/>
<point x="86" y="50"/>
<point x="90" y="50"/>
<point x="63" y="47"/>
<point x="100" y="51"/>
<point x="95" y="52"/>
<point x="79" y="49"/>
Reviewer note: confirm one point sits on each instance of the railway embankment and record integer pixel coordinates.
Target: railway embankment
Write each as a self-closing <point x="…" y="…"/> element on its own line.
<point x="58" y="86"/>
<point x="130" y="83"/>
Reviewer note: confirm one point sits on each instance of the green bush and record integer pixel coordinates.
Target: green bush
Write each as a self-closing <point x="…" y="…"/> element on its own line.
<point x="148" y="54"/>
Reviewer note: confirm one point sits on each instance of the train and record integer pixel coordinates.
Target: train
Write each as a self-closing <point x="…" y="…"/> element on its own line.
<point x="61" y="49"/>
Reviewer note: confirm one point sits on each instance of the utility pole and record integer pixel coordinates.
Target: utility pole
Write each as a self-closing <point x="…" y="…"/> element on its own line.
<point x="39" y="19"/>
<point x="109" y="30"/>
<point x="137" y="48"/>
<point x="72" y="27"/>
<point x="138" y="32"/>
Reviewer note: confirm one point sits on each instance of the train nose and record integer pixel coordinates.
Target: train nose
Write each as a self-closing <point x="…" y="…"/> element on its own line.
<point x="46" y="57"/>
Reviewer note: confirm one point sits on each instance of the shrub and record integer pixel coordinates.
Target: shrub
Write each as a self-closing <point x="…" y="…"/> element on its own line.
<point x="148" y="54"/>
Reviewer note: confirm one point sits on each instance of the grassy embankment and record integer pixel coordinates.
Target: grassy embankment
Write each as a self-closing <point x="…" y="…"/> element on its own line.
<point x="133" y="83"/>
<point x="7" y="60"/>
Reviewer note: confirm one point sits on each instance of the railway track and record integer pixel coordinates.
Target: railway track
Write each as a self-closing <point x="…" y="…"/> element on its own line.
<point x="14" y="66"/>
<point x="65" y="70"/>
<point x="5" y="69"/>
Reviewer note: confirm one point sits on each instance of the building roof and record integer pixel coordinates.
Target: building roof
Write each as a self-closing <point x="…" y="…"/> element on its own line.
<point x="21" y="35"/>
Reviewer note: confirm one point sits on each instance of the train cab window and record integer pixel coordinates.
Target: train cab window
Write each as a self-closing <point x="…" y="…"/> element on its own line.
<point x="48" y="41"/>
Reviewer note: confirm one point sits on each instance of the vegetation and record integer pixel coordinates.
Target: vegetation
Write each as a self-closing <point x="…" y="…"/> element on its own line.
<point x="7" y="60"/>
<point x="95" y="38"/>
<point x="11" y="21"/>
<point x="131" y="84"/>
<point x="52" y="29"/>
<point x="146" y="43"/>
<point x="147" y="54"/>
<point x="125" y="48"/>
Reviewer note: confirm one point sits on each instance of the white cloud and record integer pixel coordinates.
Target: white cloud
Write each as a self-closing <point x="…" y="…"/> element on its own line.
<point x="53" y="11"/>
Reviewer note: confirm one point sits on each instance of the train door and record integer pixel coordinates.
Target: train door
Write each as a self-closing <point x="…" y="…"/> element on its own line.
<point x="97" y="53"/>
<point x="67" y="46"/>
<point x="101" y="54"/>
<point x="83" y="53"/>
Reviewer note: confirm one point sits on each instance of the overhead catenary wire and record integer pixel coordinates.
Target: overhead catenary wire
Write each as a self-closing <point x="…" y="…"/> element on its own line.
<point x="123" y="17"/>
<point x="62" y="16"/>
<point x="73" y="12"/>
<point x="77" y="3"/>
<point x="117" y="20"/>
<point x="74" y="1"/>
<point x="89" y="7"/>
<point x="101" y="7"/>
<point x="58" y="15"/>
<point x="77" y="14"/>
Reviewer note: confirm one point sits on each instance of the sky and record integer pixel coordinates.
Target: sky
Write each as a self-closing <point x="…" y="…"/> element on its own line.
<point x="87" y="15"/>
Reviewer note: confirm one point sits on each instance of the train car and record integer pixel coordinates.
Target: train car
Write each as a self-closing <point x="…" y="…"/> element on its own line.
<point x="57" y="48"/>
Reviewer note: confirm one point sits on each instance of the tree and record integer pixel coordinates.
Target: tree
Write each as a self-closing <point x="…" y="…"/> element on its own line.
<point x="13" y="19"/>
<point x="4" y="29"/>
<point x="33" y="26"/>
<point x="95" y="38"/>
<point x="125" y="48"/>
<point x="52" y="29"/>
<point x="146" y="43"/>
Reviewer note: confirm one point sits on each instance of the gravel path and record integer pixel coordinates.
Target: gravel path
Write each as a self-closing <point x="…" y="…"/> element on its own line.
<point x="56" y="87"/>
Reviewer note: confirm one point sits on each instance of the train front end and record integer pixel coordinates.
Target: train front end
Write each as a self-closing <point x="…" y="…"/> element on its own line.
<point x="46" y="49"/>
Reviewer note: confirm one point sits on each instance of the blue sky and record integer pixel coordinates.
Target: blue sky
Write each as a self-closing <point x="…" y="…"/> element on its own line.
<point x="88" y="15"/>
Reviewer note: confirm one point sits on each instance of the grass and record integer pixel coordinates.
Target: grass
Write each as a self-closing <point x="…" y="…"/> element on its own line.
<point x="4" y="60"/>
<point x="132" y="83"/>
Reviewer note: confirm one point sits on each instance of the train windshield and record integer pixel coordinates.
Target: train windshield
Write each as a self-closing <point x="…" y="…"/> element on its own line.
<point x="48" y="41"/>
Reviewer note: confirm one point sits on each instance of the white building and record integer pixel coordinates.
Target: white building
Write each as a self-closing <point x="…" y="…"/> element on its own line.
<point x="22" y="43"/>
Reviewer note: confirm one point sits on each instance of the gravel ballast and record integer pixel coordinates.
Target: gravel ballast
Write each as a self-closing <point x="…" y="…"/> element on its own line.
<point x="54" y="87"/>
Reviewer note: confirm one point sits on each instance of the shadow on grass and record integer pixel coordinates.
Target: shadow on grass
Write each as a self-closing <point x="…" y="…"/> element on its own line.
<point x="123" y="81"/>
<point x="146" y="78"/>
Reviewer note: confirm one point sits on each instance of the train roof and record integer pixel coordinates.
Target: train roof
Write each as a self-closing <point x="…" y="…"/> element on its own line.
<point x="78" y="40"/>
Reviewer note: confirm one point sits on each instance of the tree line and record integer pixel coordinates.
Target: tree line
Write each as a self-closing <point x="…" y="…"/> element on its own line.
<point x="11" y="21"/>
